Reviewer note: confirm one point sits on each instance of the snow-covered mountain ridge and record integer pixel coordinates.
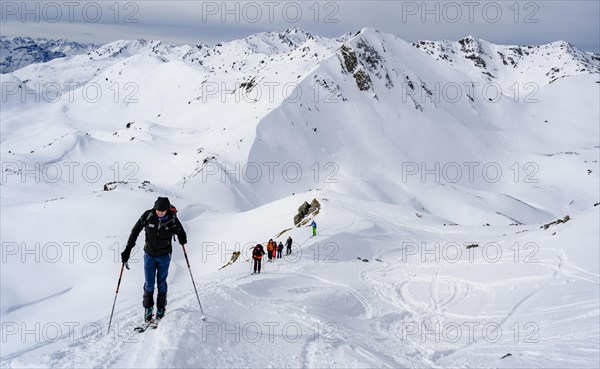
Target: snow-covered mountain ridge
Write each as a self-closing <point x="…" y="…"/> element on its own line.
<point x="560" y="59"/>
<point x="271" y="88"/>
<point x="21" y="51"/>
<point x="18" y="52"/>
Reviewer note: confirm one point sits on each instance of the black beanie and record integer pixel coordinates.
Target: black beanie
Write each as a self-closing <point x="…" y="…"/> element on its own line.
<point x="162" y="204"/>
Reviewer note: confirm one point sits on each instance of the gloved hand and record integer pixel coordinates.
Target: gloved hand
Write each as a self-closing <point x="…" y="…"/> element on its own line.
<point x="125" y="255"/>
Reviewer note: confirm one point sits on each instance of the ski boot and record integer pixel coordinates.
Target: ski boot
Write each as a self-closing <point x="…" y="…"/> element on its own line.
<point x="148" y="314"/>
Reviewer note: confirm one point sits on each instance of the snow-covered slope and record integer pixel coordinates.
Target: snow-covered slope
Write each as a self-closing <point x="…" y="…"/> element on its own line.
<point x="413" y="150"/>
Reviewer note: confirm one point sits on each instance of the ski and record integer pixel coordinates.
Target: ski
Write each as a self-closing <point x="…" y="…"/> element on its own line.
<point x="144" y="326"/>
<point x="155" y="322"/>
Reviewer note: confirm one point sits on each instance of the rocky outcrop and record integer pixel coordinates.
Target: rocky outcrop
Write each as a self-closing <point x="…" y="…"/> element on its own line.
<point x="304" y="212"/>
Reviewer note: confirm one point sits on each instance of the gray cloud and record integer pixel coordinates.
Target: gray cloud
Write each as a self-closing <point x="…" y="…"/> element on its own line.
<point x="504" y="22"/>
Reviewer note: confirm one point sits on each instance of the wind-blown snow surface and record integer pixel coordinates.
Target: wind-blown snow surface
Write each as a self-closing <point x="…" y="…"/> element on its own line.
<point x="366" y="118"/>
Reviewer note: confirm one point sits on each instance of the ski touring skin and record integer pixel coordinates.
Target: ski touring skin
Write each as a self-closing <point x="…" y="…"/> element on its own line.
<point x="152" y="324"/>
<point x="146" y="325"/>
<point x="155" y="322"/>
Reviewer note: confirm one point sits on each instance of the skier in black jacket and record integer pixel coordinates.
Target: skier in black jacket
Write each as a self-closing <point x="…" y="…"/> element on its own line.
<point x="160" y="224"/>
<point x="257" y="255"/>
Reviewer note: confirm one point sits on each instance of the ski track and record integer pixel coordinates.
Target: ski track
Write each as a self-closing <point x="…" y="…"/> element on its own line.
<point x="445" y="292"/>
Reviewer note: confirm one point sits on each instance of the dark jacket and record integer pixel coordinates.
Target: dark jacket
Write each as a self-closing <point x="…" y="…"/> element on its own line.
<point x="158" y="233"/>
<point x="258" y="252"/>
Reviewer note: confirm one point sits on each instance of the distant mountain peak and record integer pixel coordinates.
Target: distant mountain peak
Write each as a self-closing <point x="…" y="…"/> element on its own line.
<point x="18" y="52"/>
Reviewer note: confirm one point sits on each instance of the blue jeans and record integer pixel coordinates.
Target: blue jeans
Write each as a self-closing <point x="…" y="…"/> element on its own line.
<point x="156" y="268"/>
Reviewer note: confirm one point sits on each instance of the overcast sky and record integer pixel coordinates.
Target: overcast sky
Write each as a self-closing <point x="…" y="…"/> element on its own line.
<point x="193" y="22"/>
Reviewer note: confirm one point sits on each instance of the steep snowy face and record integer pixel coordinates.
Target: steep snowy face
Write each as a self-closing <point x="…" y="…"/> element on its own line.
<point x="402" y="127"/>
<point x="18" y="52"/>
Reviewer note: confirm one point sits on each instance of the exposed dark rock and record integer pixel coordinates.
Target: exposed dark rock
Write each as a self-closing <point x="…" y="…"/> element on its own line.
<point x="363" y="80"/>
<point x="558" y="221"/>
<point x="369" y="57"/>
<point x="349" y="59"/>
<point x="305" y="210"/>
<point x="112" y="185"/>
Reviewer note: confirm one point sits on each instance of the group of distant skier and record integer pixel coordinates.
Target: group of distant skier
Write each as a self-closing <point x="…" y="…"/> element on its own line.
<point x="160" y="225"/>
<point x="274" y="251"/>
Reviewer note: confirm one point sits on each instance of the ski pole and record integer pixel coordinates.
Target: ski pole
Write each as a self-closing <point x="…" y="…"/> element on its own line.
<point x="193" y="283"/>
<point x="252" y="261"/>
<point x="116" y="293"/>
